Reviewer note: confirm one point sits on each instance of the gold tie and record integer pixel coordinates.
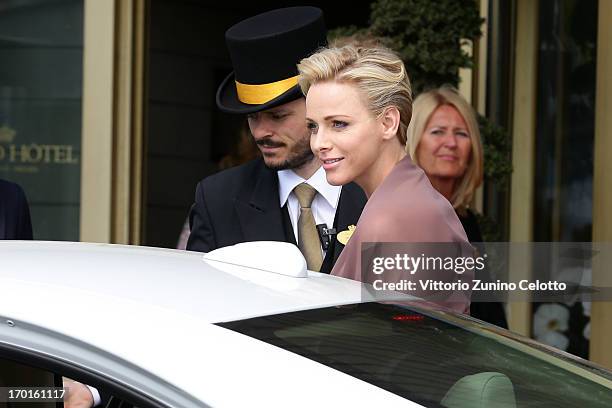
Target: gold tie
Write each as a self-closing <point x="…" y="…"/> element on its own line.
<point x="308" y="238"/>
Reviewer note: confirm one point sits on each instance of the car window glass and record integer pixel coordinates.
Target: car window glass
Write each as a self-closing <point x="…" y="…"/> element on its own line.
<point x="424" y="359"/>
<point x="17" y="376"/>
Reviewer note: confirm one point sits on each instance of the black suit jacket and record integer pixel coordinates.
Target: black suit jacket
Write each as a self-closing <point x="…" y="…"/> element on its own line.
<point x="492" y="312"/>
<point x="241" y="204"/>
<point x="15" y="220"/>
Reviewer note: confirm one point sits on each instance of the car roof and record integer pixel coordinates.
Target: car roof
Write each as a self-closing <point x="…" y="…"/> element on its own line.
<point x="179" y="280"/>
<point x="99" y="304"/>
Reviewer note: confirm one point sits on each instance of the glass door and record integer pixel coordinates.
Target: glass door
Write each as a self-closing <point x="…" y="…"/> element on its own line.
<point x="41" y="49"/>
<point x="565" y="129"/>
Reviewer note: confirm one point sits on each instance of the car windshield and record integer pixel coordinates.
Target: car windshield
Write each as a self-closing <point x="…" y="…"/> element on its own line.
<point x="430" y="361"/>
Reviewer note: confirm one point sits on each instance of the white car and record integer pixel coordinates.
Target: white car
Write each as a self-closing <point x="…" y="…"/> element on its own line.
<point x="249" y="326"/>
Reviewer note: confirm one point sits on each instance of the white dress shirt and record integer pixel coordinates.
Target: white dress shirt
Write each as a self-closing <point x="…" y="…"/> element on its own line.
<point x="95" y="394"/>
<point x="323" y="205"/>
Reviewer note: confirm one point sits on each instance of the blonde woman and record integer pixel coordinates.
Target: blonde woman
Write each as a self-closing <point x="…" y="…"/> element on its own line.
<point x="358" y="108"/>
<point x="444" y="140"/>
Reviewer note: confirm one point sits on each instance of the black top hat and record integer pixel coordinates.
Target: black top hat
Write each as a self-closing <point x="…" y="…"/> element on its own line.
<point x="265" y="51"/>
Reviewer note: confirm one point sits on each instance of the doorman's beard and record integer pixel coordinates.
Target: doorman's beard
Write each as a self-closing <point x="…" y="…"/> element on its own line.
<point x="299" y="156"/>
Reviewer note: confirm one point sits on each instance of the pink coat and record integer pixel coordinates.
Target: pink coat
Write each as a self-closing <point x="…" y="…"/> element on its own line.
<point x="405" y="209"/>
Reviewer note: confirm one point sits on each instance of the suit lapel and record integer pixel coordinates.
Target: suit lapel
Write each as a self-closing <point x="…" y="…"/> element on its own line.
<point x="258" y="209"/>
<point x="351" y="203"/>
<point x="289" y="234"/>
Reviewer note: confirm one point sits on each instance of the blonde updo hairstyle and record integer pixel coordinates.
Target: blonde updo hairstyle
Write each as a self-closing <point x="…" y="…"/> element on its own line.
<point x="377" y="72"/>
<point x="424" y="106"/>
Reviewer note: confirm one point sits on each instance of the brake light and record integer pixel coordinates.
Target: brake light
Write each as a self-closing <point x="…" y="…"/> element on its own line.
<point x="408" y="318"/>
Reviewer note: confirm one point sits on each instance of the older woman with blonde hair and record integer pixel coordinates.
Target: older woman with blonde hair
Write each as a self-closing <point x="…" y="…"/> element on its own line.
<point x="444" y="140"/>
<point x="358" y="107"/>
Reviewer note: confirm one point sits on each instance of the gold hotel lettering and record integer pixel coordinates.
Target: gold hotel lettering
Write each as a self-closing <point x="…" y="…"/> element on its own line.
<point x="35" y="153"/>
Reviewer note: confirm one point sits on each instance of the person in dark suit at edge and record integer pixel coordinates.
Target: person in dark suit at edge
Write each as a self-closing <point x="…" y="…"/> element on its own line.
<point x="15" y="222"/>
<point x="273" y="198"/>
